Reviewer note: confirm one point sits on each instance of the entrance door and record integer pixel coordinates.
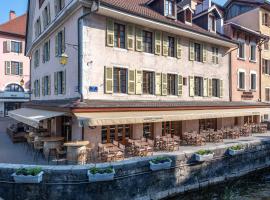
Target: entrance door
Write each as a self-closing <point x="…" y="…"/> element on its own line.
<point x="9" y="106"/>
<point x="119" y="133"/>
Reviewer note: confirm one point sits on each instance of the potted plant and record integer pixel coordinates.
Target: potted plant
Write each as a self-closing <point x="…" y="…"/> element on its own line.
<point x="160" y="163"/>
<point x="96" y="174"/>
<point x="28" y="175"/>
<point x="204" y="155"/>
<point x="234" y="150"/>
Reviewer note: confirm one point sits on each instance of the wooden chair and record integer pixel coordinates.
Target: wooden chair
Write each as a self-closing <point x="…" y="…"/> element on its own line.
<point x="38" y="147"/>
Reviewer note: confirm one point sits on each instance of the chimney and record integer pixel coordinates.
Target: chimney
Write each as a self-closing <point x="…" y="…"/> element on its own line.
<point x="12" y="15"/>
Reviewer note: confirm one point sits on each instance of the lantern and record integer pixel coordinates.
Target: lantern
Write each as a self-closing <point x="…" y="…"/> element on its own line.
<point x="63" y="59"/>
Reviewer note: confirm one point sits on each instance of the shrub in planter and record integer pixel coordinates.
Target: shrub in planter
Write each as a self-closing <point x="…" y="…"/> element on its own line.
<point x="234" y="150"/>
<point x="100" y="174"/>
<point x="28" y="175"/>
<point x="204" y="155"/>
<point x="160" y="163"/>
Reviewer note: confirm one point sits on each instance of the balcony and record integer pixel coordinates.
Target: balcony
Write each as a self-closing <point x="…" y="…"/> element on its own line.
<point x="14" y="95"/>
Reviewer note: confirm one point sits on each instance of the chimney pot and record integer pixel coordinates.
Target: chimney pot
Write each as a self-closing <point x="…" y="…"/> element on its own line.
<point x="12" y="15"/>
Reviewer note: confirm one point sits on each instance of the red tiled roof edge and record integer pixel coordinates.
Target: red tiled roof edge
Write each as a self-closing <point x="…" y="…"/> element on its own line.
<point x="15" y="27"/>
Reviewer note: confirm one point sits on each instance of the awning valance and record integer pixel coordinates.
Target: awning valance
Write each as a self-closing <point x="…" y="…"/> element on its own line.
<point x="116" y="118"/>
<point x="32" y="117"/>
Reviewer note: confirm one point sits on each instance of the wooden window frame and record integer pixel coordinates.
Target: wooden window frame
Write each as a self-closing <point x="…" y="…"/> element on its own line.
<point x="198" y="89"/>
<point x="118" y="39"/>
<point x="171" y="84"/>
<point x="147" y="41"/>
<point x="197" y="52"/>
<point x="148" y="82"/>
<point x="171" y="46"/>
<point x="118" y="78"/>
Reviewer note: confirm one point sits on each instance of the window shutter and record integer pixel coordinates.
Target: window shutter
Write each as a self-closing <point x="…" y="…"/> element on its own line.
<point x="165" y="45"/>
<point x="39" y="87"/>
<point x="191" y="51"/>
<point x="157" y="42"/>
<point x="49" y="85"/>
<point x="49" y="49"/>
<point x="20" y="68"/>
<point x="64" y="87"/>
<point x="35" y="93"/>
<point x="7" y="67"/>
<point x="263" y="18"/>
<point x="56" y="45"/>
<point x="110" y="32"/>
<point x="55" y="84"/>
<point x="158" y="84"/>
<point x="131" y="81"/>
<point x="191" y="86"/>
<point x="7" y="46"/>
<point x="164" y="84"/>
<point x="213" y="55"/>
<point x="62" y="3"/>
<point x="49" y="13"/>
<point x="217" y="56"/>
<point x="263" y="66"/>
<point x="130" y="37"/>
<point x="221" y="89"/>
<point x="205" y="87"/>
<point x="210" y="88"/>
<point x="63" y="47"/>
<point x="180" y="85"/>
<point x="44" y="19"/>
<point x="139" y="39"/>
<point x="43" y="54"/>
<point x="43" y="86"/>
<point x="178" y="48"/>
<point x="139" y="78"/>
<point x="204" y="53"/>
<point x="21" y="47"/>
<point x="108" y="80"/>
<point x="56" y="7"/>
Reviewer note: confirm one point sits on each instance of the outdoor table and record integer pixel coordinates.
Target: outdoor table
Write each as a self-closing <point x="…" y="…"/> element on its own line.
<point x="74" y="149"/>
<point x="51" y="143"/>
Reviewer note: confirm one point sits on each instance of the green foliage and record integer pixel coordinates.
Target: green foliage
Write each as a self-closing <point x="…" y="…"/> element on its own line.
<point x="204" y="152"/>
<point x="107" y="170"/>
<point x="237" y="147"/>
<point x="161" y="160"/>
<point x="28" y="172"/>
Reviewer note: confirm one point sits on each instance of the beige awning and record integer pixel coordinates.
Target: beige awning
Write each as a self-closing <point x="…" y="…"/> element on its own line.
<point x="116" y="118"/>
<point x="32" y="117"/>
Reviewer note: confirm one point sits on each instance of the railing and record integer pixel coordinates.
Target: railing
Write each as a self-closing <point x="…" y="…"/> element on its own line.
<point x="23" y="95"/>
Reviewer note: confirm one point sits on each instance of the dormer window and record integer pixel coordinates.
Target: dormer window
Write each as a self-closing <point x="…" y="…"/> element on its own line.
<point x="212" y="23"/>
<point x="169" y="8"/>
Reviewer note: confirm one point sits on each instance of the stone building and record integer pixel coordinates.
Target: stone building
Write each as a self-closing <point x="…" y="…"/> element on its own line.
<point x="14" y="71"/>
<point x="111" y="70"/>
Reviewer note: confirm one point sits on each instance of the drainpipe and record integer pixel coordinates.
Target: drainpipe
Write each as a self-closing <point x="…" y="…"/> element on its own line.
<point x="94" y="8"/>
<point x="260" y="68"/>
<point x="230" y="76"/>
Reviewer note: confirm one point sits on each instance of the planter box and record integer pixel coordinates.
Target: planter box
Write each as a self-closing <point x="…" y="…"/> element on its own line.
<point x="202" y="158"/>
<point x="27" y="179"/>
<point x="234" y="152"/>
<point x="160" y="166"/>
<point x="100" y="177"/>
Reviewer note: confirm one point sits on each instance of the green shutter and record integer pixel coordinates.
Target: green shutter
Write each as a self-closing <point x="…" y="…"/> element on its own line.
<point x="158" y="84"/>
<point x="191" y="51"/>
<point x="56" y="45"/>
<point x="180" y="85"/>
<point x="49" y="85"/>
<point x="213" y="55"/>
<point x="204" y="53"/>
<point x="43" y="86"/>
<point x="108" y="80"/>
<point x="130" y="36"/>
<point x="110" y="32"/>
<point x="55" y="84"/>
<point x="64" y="82"/>
<point x="139" y="81"/>
<point x="39" y="87"/>
<point x="21" y="68"/>
<point x="210" y="88"/>
<point x="205" y="87"/>
<point x="191" y="86"/>
<point x="131" y="82"/>
<point x="7" y="67"/>
<point x="157" y="42"/>
<point x="164" y="84"/>
<point x="178" y="48"/>
<point x="63" y="47"/>
<point x="165" y="45"/>
<point x="221" y="89"/>
<point x="139" y="39"/>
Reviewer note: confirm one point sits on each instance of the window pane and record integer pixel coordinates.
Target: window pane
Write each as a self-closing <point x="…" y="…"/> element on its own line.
<point x="148" y="82"/>
<point x="197" y="48"/>
<point x="119" y="36"/>
<point x="120" y="80"/>
<point x="147" y="42"/>
<point x="171" y="46"/>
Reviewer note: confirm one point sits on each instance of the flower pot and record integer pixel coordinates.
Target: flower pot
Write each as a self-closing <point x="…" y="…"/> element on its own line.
<point x="28" y="178"/>
<point x="160" y="166"/>
<point x="235" y="152"/>
<point x="100" y="177"/>
<point x="202" y="158"/>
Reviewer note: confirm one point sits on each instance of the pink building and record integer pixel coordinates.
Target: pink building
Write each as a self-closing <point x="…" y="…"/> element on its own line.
<point x="15" y="67"/>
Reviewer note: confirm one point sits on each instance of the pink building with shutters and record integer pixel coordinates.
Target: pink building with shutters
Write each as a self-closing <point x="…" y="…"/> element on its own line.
<point x="15" y="67"/>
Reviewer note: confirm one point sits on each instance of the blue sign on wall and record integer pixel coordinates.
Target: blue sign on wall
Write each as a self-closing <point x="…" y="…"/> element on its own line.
<point x="93" y="89"/>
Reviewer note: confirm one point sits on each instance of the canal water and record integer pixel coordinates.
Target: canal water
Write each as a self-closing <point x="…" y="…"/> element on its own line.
<point x="255" y="186"/>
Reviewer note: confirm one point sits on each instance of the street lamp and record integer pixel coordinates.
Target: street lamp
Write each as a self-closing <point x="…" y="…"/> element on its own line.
<point x="63" y="59"/>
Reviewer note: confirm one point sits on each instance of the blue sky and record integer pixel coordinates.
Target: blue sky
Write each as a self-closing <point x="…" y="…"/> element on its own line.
<point x="20" y="6"/>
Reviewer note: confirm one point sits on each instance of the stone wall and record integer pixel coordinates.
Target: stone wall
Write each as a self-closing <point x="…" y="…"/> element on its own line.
<point x="134" y="180"/>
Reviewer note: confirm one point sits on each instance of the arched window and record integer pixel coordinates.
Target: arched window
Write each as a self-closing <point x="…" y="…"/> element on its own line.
<point x="14" y="88"/>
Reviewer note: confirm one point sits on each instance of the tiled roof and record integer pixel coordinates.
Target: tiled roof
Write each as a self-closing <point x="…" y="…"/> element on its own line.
<point x="16" y="26"/>
<point x="140" y="8"/>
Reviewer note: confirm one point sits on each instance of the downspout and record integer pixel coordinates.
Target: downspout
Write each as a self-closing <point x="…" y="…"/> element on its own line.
<point x="94" y="8"/>
<point x="260" y="69"/>
<point x="230" y="76"/>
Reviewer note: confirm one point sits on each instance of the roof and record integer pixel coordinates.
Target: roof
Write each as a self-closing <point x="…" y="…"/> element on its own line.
<point x="211" y="9"/>
<point x="16" y="26"/>
<point x="258" y="2"/>
<point x="138" y="104"/>
<point x="141" y="8"/>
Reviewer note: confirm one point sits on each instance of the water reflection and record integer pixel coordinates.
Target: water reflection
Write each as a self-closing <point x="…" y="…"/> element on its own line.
<point x="253" y="187"/>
